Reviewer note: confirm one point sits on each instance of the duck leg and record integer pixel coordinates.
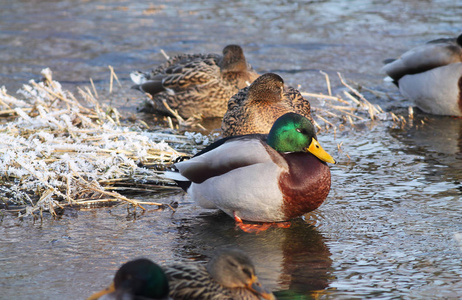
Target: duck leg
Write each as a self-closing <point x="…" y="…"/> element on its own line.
<point x="258" y="227"/>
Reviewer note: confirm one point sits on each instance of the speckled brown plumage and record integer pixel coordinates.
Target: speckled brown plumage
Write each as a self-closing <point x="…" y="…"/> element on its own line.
<point x="255" y="108"/>
<point x="224" y="278"/>
<point x="197" y="84"/>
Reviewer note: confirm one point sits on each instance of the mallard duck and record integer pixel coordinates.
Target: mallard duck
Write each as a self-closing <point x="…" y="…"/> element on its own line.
<point x="197" y="84"/>
<point x="136" y="279"/>
<point x="230" y="274"/>
<point x="431" y="76"/>
<point x="255" y="108"/>
<point x="261" y="178"/>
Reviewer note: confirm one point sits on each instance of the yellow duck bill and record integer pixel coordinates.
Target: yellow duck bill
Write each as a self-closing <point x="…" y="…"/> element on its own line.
<point x="316" y="149"/>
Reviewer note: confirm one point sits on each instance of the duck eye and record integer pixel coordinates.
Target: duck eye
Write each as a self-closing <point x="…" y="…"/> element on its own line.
<point x="317" y="146"/>
<point x="299" y="130"/>
<point x="247" y="272"/>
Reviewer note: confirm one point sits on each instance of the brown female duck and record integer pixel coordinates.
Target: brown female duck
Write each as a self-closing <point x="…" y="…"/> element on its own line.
<point x="230" y="274"/>
<point x="255" y="108"/>
<point x="196" y="84"/>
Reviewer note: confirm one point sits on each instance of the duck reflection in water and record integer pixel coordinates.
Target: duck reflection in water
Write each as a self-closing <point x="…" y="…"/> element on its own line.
<point x="438" y="140"/>
<point x="289" y="261"/>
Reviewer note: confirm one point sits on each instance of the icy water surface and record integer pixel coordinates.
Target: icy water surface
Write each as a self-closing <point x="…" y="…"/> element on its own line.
<point x="391" y="227"/>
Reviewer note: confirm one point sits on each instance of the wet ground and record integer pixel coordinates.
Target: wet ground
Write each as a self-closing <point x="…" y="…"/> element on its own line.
<point x="391" y="227"/>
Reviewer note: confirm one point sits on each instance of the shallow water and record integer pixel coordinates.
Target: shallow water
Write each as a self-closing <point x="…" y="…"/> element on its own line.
<point x="391" y="226"/>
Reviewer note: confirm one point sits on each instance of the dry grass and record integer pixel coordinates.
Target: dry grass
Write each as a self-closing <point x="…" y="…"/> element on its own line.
<point x="57" y="150"/>
<point x="346" y="109"/>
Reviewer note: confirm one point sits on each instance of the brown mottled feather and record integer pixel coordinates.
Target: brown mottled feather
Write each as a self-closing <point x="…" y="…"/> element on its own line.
<point x="194" y="282"/>
<point x="198" y="84"/>
<point x="254" y="109"/>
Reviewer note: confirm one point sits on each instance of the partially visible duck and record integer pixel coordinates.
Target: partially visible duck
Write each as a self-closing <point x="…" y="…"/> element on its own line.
<point x="139" y="279"/>
<point x="431" y="76"/>
<point x="261" y="178"/>
<point x="230" y="274"/>
<point x="255" y="108"/>
<point x="197" y="84"/>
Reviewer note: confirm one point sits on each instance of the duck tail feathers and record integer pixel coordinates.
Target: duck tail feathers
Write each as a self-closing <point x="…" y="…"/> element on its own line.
<point x="138" y="77"/>
<point x="180" y="180"/>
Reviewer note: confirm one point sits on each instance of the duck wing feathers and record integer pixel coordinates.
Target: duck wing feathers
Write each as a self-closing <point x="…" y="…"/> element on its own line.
<point x="431" y="55"/>
<point x="231" y="154"/>
<point x="437" y="91"/>
<point x="191" y="282"/>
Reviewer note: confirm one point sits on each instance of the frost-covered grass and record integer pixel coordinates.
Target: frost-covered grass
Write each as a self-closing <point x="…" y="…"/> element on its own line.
<point x="57" y="150"/>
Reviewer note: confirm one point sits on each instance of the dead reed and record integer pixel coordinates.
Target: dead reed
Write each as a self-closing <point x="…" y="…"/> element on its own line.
<point x="57" y="150"/>
<point x="345" y="109"/>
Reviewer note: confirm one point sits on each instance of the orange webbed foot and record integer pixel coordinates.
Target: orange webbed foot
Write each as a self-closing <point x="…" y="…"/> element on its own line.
<point x="258" y="227"/>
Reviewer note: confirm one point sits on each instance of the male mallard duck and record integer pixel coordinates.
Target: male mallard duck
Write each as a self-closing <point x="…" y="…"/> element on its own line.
<point x="136" y="279"/>
<point x="262" y="178"/>
<point x="197" y="84"/>
<point x="229" y="275"/>
<point x="431" y="76"/>
<point x="255" y="108"/>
